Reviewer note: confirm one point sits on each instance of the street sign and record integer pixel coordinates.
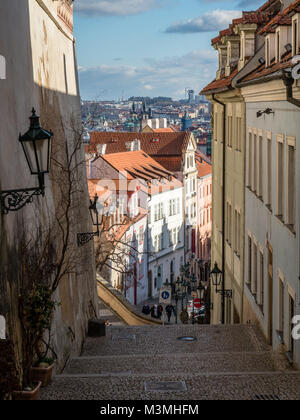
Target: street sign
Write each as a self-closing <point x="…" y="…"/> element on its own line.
<point x="197" y="303"/>
<point x="165" y="295"/>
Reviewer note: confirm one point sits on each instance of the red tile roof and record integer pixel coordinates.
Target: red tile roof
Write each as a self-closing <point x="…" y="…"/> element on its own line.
<point x="171" y="163"/>
<point x="136" y="163"/>
<point x="262" y="71"/>
<point x="154" y="144"/>
<point x="221" y="84"/>
<point x="281" y="18"/>
<point x="204" y="168"/>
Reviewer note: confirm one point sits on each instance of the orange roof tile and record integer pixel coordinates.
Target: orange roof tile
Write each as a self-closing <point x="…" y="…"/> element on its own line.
<point x="154" y="144"/>
<point x="222" y="84"/>
<point x="262" y="71"/>
<point x="204" y="168"/>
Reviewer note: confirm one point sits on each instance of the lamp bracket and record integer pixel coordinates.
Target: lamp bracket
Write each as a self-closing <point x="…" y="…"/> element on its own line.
<point x="84" y="238"/>
<point x="14" y="200"/>
<point x="227" y="293"/>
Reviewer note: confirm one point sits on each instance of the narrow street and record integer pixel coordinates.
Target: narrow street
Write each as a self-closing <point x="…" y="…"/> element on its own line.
<point x="131" y="363"/>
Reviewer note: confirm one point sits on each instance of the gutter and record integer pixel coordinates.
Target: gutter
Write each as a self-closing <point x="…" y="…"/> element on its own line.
<point x="214" y="99"/>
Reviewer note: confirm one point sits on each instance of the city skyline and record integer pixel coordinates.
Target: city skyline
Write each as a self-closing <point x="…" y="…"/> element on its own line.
<point x="150" y="48"/>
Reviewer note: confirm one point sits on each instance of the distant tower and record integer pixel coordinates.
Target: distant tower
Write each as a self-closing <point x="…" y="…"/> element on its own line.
<point x="186" y="122"/>
<point x="191" y="95"/>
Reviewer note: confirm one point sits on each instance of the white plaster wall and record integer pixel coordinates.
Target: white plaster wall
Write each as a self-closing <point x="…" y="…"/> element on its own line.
<point x="264" y="225"/>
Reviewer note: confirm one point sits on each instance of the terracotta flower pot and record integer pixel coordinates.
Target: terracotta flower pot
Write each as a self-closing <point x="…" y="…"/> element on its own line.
<point x="28" y="395"/>
<point x="42" y="374"/>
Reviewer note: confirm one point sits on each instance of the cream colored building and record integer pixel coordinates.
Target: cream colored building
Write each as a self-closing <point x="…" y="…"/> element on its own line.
<point x="236" y="48"/>
<point x="272" y="198"/>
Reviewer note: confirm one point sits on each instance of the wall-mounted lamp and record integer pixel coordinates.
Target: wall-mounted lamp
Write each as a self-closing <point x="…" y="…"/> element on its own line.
<point x="267" y="111"/>
<point x="288" y="48"/>
<point x="95" y="208"/>
<point x="36" y="145"/>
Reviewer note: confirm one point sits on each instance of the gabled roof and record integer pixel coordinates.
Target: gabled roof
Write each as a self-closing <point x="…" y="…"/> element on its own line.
<point x="282" y="18"/>
<point x="204" y="168"/>
<point x="263" y="71"/>
<point x="154" y="144"/>
<point x="137" y="164"/>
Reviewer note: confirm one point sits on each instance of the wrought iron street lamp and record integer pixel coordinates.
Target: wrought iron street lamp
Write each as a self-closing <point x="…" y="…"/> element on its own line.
<point x="36" y="144"/>
<point x="95" y="208"/>
<point x="218" y="280"/>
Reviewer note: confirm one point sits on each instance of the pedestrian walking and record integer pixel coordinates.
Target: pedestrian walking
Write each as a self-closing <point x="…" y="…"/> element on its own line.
<point x="159" y="311"/>
<point x="169" y="310"/>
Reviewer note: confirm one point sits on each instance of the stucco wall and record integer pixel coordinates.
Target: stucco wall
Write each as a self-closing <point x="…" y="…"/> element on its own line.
<point x="41" y="73"/>
<point x="265" y="227"/>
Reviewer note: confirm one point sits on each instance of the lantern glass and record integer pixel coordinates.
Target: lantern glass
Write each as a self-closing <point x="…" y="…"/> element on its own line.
<point x="36" y="145"/>
<point x="37" y="154"/>
<point x="216" y="274"/>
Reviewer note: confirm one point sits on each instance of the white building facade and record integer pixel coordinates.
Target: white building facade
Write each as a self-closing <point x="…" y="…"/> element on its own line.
<point x="165" y="237"/>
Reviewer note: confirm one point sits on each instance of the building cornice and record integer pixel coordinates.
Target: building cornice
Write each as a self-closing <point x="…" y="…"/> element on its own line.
<point x="54" y="20"/>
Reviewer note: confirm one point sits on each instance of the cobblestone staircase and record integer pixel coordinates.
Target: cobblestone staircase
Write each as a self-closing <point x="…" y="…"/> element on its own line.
<point x="142" y="363"/>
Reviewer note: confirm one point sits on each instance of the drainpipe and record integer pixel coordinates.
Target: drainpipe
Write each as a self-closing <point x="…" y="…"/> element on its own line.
<point x="223" y="204"/>
<point x="289" y="81"/>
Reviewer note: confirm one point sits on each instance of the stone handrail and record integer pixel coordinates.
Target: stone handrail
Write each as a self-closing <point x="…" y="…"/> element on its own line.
<point x="125" y="310"/>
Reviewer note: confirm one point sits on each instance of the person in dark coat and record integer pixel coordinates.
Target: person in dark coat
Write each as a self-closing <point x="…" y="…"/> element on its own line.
<point x="159" y="311"/>
<point x="169" y="309"/>
<point x="146" y="309"/>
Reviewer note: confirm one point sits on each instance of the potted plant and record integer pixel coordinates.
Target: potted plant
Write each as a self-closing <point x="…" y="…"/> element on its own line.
<point x="42" y="371"/>
<point x="8" y="374"/>
<point x="36" y="309"/>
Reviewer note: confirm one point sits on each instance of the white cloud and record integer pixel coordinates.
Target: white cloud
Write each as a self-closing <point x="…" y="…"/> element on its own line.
<point x="168" y="77"/>
<point x="208" y="22"/>
<point x="115" y="7"/>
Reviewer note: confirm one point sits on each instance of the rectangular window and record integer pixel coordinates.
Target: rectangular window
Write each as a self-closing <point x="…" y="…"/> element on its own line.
<point x="229" y="131"/>
<point x="254" y="185"/>
<point x="278" y="47"/>
<point x="269" y="173"/>
<point x="229" y="223"/>
<point x="281" y="305"/>
<point x="249" y="160"/>
<point x="261" y="281"/>
<point x="280" y="178"/>
<point x="249" y="277"/>
<point x="295" y="37"/>
<point x="260" y="167"/>
<point x="238" y="134"/>
<point x="254" y="277"/>
<point x="291" y="185"/>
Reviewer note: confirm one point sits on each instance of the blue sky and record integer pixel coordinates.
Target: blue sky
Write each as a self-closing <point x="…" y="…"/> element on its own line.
<point x="149" y="47"/>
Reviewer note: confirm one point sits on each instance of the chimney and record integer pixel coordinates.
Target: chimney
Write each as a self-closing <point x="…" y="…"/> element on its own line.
<point x="133" y="146"/>
<point x="101" y="149"/>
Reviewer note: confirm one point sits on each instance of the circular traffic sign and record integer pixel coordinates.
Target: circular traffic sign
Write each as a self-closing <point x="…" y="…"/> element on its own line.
<point x="165" y="295"/>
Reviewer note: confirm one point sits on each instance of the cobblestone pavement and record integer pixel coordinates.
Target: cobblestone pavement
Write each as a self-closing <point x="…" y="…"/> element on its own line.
<point x="225" y="362"/>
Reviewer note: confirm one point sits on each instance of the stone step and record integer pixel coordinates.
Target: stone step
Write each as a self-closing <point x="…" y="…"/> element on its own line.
<point x="177" y="362"/>
<point x="240" y="386"/>
<point x="154" y="340"/>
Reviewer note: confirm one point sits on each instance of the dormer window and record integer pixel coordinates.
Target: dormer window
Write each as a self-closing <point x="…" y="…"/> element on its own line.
<point x="278" y="55"/>
<point x="270" y="49"/>
<point x="295" y="34"/>
<point x="282" y="39"/>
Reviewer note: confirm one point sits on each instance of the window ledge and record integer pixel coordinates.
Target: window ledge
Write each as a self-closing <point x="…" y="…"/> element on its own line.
<point x="291" y="228"/>
<point x="269" y="208"/>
